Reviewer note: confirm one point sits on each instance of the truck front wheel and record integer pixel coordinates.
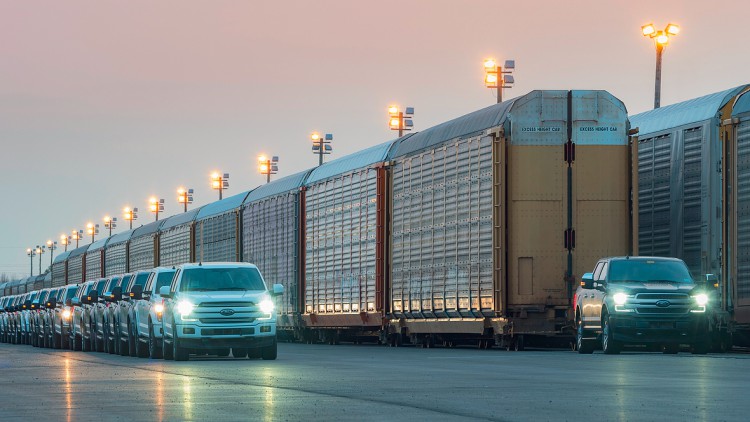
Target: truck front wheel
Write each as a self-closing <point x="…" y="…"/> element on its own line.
<point x="610" y="346"/>
<point x="270" y="352"/>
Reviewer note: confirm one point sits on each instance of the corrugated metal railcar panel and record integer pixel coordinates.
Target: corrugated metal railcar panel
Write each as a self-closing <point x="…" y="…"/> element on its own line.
<point x="116" y="259"/>
<point x="270" y="241"/>
<point x="58" y="274"/>
<point x="654" y="170"/>
<point x="216" y="238"/>
<point x="142" y="253"/>
<point x="174" y="245"/>
<point x="75" y="269"/>
<point x="691" y="198"/>
<point x="442" y="231"/>
<point x="94" y="265"/>
<point x="340" y="220"/>
<point x="743" y="211"/>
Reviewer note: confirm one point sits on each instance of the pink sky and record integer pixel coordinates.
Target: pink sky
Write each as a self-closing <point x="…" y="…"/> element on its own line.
<point x="105" y="103"/>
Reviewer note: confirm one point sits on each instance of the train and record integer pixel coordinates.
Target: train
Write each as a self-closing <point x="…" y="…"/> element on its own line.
<point x="475" y="231"/>
<point x="694" y="197"/>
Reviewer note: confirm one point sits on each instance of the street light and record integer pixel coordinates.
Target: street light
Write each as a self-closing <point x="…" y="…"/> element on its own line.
<point x="497" y="78"/>
<point x="661" y="39"/>
<point x="65" y="241"/>
<point x="130" y="215"/>
<point x="110" y="223"/>
<point x="92" y="230"/>
<point x="51" y="246"/>
<point x="268" y="166"/>
<point x="185" y="197"/>
<point x="400" y="120"/>
<point x="31" y="253"/>
<point x="156" y="206"/>
<point x="76" y="235"/>
<point x="40" y="252"/>
<point x="321" y="145"/>
<point x="219" y="182"/>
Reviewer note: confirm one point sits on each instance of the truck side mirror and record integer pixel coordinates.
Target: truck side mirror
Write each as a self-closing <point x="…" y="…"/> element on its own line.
<point x="165" y="292"/>
<point x="136" y="293"/>
<point x="278" y="289"/>
<point x="92" y="297"/>
<point x="116" y="294"/>
<point x="51" y="303"/>
<point x="712" y="281"/>
<point x="68" y="302"/>
<point x="587" y="281"/>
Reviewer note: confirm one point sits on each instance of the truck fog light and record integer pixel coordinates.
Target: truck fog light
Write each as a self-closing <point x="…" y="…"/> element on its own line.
<point x="620" y="298"/>
<point x="188" y="331"/>
<point x="265" y="329"/>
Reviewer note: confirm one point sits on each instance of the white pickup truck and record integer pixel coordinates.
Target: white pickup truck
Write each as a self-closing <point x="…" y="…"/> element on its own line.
<point x="212" y="307"/>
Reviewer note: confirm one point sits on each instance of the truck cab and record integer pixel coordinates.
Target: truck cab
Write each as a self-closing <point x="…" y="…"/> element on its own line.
<point x="216" y="306"/>
<point x="650" y="301"/>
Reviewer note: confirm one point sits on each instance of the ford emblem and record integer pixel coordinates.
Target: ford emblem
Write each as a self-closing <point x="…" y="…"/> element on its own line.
<point x="230" y="312"/>
<point x="663" y="303"/>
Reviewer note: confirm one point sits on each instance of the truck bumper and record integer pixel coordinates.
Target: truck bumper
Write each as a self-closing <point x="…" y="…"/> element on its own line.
<point x="685" y="329"/>
<point x="209" y="337"/>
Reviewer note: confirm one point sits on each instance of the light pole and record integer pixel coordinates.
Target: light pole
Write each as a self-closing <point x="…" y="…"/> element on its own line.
<point x="497" y="78"/>
<point x="185" y="197"/>
<point x="110" y="223"/>
<point x="65" y="241"/>
<point x="661" y="39"/>
<point x="268" y="166"/>
<point x="92" y="230"/>
<point x="321" y="145"/>
<point x="130" y="215"/>
<point x="76" y="235"/>
<point x="219" y="182"/>
<point x="40" y="252"/>
<point x="31" y="253"/>
<point x="156" y="206"/>
<point x="51" y="246"/>
<point x="400" y="120"/>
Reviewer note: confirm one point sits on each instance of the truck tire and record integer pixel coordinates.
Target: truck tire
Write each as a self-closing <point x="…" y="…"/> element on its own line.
<point x="179" y="353"/>
<point x="610" y="346"/>
<point x="154" y="348"/>
<point x="700" y="348"/>
<point x="254" y="353"/>
<point x="239" y="353"/>
<point x="671" y="349"/>
<point x="584" y="347"/>
<point x="270" y="352"/>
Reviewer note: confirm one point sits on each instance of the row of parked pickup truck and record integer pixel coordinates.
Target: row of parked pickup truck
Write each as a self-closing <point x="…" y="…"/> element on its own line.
<point x="170" y="313"/>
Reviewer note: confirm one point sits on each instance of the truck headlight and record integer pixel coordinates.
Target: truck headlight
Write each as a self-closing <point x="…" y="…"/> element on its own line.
<point x="158" y="308"/>
<point x="66" y="314"/>
<point x="620" y="298"/>
<point x="701" y="299"/>
<point x="266" y="306"/>
<point x="185" y="308"/>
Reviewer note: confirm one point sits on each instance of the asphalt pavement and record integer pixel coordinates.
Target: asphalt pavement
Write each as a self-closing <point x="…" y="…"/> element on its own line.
<point x="374" y="383"/>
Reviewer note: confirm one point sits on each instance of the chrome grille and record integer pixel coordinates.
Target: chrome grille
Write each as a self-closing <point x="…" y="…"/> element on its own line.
<point x="227" y="304"/>
<point x="660" y="296"/>
<point x="672" y="310"/>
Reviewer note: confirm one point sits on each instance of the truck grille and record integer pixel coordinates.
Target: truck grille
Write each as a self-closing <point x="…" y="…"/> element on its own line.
<point x="660" y="296"/>
<point x="226" y="304"/>
<point x="672" y="310"/>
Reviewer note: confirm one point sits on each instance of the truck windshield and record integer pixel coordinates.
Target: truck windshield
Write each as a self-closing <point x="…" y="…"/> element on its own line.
<point x="221" y="279"/>
<point x="649" y="270"/>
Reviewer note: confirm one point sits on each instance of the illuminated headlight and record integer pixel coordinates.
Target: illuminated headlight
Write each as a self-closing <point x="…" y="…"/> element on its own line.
<point x="266" y="306"/>
<point x="66" y="314"/>
<point x="184" y="308"/>
<point x="620" y="298"/>
<point x="701" y="299"/>
<point x="159" y="308"/>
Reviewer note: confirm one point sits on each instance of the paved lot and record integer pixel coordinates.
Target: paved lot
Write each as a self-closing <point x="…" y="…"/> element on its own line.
<point x="346" y="382"/>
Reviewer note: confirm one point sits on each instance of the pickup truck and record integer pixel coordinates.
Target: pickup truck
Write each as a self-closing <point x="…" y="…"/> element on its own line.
<point x="651" y="301"/>
<point x="211" y="307"/>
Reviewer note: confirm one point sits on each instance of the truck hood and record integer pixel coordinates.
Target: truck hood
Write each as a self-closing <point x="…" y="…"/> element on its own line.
<point x="255" y="296"/>
<point x="650" y="287"/>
